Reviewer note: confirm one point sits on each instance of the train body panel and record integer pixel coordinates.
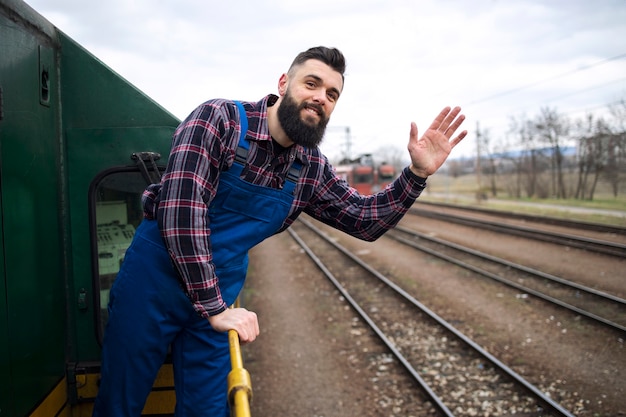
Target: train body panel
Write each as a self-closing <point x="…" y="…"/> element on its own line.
<point x="365" y="176"/>
<point x="386" y="173"/>
<point x="33" y="266"/>
<point x="66" y="120"/>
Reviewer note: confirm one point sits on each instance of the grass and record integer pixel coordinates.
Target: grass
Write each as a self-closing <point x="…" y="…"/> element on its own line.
<point x="462" y="190"/>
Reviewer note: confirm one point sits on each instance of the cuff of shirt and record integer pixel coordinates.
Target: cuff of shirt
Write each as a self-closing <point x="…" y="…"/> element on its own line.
<point x="417" y="179"/>
<point x="209" y="309"/>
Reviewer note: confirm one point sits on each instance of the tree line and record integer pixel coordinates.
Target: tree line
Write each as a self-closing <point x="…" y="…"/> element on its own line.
<point x="552" y="156"/>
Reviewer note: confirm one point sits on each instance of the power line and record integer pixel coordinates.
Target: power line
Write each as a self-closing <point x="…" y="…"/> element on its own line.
<point x="515" y="90"/>
<point x="502" y="127"/>
<point x="584" y="90"/>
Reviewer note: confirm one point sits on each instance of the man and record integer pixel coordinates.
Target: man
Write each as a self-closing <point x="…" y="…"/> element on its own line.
<point x="237" y="174"/>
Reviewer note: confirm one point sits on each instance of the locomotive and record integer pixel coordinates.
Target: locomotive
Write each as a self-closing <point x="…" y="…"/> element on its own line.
<point x="78" y="144"/>
<point x="364" y="175"/>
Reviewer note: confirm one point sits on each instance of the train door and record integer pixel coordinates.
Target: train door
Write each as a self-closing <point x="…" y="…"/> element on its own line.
<point x="115" y="212"/>
<point x="108" y="170"/>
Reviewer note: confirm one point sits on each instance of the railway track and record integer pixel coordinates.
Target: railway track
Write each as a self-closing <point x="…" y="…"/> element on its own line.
<point x="496" y="223"/>
<point x="454" y="373"/>
<point x="600" y="307"/>
<point x="422" y="206"/>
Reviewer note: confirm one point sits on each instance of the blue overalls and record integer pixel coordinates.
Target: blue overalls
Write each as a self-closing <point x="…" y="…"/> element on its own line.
<point x="149" y="311"/>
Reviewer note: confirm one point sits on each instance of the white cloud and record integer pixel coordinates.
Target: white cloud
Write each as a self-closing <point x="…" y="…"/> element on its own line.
<point x="406" y="59"/>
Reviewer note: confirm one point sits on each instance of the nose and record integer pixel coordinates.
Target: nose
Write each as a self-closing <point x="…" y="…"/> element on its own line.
<point x="319" y="96"/>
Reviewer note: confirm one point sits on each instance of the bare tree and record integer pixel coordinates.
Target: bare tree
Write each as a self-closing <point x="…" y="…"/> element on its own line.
<point x="601" y="152"/>
<point x="488" y="154"/>
<point x="529" y="164"/>
<point x="618" y="112"/>
<point x="535" y="160"/>
<point x="615" y="160"/>
<point x="618" y="145"/>
<point x="552" y="129"/>
<point x="590" y="155"/>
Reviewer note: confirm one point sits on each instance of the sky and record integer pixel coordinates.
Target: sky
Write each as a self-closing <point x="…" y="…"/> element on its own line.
<point x="406" y="59"/>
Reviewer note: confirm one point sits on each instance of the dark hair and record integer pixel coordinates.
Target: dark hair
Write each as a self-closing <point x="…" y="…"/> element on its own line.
<point x="329" y="56"/>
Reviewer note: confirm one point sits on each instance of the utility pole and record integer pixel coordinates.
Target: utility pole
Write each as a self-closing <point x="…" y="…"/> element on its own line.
<point x="478" y="166"/>
<point x="348" y="143"/>
<point x="345" y="144"/>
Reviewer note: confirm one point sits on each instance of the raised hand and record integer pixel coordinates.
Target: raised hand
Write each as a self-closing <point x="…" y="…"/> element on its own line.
<point x="430" y="151"/>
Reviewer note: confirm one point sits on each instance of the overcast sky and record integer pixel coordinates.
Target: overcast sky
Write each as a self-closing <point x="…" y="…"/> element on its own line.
<point x="406" y="59"/>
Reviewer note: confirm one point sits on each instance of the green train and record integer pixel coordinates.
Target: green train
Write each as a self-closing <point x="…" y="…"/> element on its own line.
<point x="78" y="144"/>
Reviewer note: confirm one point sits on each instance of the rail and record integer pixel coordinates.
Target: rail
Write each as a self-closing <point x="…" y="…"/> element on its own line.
<point x="547" y="403"/>
<point x="548" y="220"/>
<point x="583" y="301"/>
<point x="581" y="242"/>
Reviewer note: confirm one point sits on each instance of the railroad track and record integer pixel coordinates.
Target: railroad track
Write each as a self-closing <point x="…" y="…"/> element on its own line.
<point x="560" y="222"/>
<point x="565" y="239"/>
<point x="454" y="373"/>
<point x="600" y="307"/>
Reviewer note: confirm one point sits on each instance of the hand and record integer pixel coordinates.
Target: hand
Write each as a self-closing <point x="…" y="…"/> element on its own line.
<point x="243" y="321"/>
<point x="431" y="150"/>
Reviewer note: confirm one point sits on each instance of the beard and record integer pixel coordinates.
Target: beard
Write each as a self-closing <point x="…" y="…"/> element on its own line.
<point x="306" y="133"/>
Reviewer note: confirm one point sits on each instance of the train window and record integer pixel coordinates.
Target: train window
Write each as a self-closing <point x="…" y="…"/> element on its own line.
<point x="116" y="212"/>
<point x="386" y="174"/>
<point x="366" y="177"/>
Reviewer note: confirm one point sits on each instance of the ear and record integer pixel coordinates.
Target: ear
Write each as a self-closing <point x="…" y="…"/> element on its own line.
<point x="282" y="84"/>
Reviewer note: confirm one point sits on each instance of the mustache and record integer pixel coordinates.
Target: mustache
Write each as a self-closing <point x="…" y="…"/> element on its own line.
<point x="318" y="108"/>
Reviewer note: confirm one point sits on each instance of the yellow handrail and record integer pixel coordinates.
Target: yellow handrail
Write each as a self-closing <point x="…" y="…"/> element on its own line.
<point x="239" y="383"/>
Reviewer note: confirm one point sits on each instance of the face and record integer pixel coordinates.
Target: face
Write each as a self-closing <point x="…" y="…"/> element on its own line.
<point x="309" y="94"/>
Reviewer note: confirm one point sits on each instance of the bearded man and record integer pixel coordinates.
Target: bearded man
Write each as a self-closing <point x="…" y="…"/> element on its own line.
<point x="238" y="172"/>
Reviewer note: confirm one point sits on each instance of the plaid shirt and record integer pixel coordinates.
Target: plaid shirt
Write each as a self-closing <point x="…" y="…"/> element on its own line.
<point x="205" y="144"/>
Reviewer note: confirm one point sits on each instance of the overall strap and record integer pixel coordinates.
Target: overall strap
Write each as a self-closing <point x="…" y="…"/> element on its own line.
<point x="294" y="172"/>
<point x="242" y="149"/>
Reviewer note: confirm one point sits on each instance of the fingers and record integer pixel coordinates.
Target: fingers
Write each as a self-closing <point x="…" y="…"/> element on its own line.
<point x="247" y="326"/>
<point x="458" y="139"/>
<point x="447" y="121"/>
<point x="413" y="132"/>
<point x="455" y="122"/>
<point x="249" y="332"/>
<point x="244" y="322"/>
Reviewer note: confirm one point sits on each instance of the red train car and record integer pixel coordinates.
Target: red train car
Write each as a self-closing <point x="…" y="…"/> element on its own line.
<point x="386" y="174"/>
<point x="364" y="179"/>
<point x="363" y="175"/>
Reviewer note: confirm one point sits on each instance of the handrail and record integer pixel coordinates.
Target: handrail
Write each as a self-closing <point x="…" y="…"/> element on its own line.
<point x="239" y="382"/>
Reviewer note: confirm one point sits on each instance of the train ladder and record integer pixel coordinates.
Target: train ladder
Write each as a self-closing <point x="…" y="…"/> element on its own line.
<point x="239" y="382"/>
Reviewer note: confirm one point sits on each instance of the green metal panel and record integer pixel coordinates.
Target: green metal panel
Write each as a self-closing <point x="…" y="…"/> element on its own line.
<point x="95" y="96"/>
<point x="65" y="117"/>
<point x="90" y="151"/>
<point x="105" y="120"/>
<point x="5" y="371"/>
<point x="33" y="318"/>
